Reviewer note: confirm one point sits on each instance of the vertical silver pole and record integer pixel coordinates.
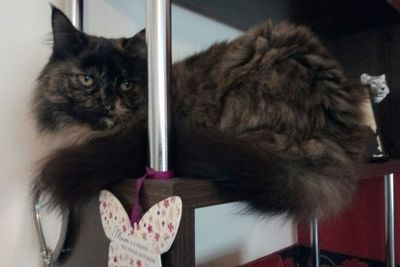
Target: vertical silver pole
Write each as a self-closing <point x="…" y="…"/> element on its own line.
<point x="158" y="37"/>
<point x="74" y="10"/>
<point x="390" y="223"/>
<point x="315" y="255"/>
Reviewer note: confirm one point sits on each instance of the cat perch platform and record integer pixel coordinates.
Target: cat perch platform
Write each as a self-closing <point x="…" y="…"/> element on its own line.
<point x="91" y="247"/>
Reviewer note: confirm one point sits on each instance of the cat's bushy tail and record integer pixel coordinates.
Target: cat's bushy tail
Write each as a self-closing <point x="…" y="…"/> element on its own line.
<point x="240" y="169"/>
<point x="74" y="174"/>
<point x="305" y="187"/>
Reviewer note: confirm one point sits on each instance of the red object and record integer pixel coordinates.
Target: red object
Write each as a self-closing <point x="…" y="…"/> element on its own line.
<point x="360" y="230"/>
<point x="275" y="261"/>
<point x="289" y="262"/>
<point x="269" y="261"/>
<point x="353" y="263"/>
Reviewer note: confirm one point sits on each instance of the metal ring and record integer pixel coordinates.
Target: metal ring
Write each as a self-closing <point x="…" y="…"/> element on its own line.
<point x="49" y="255"/>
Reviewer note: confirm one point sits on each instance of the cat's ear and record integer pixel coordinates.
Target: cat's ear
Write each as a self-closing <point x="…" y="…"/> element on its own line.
<point x="66" y="39"/>
<point x="136" y="45"/>
<point x="383" y="77"/>
<point x="365" y="78"/>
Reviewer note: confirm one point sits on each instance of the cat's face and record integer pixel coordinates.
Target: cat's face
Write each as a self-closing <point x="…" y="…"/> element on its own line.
<point x="91" y="81"/>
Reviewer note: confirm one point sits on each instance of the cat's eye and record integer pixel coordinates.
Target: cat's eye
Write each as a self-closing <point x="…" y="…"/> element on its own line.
<point x="86" y="80"/>
<point x="126" y="86"/>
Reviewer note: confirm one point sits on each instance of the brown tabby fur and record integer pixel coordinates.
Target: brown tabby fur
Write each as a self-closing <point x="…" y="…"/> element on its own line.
<point x="269" y="117"/>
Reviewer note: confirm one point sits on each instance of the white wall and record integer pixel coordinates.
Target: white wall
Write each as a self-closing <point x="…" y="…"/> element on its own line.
<point x="190" y="32"/>
<point x="225" y="230"/>
<point x="25" y="27"/>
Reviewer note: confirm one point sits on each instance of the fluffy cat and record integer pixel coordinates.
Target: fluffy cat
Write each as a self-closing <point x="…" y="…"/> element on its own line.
<point x="269" y="117"/>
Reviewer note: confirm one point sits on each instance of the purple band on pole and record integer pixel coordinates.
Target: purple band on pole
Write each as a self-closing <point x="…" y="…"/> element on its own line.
<point x="137" y="210"/>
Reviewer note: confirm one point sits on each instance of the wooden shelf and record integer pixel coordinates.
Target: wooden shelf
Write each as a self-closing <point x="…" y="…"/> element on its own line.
<point x="194" y="193"/>
<point x="91" y="246"/>
<point x="373" y="170"/>
<point x="201" y="193"/>
<point x="327" y="18"/>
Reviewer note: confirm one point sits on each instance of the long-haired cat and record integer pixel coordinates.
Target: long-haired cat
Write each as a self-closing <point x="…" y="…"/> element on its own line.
<point x="269" y="117"/>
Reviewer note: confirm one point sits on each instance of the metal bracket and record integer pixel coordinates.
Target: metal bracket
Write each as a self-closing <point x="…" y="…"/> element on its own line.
<point x="50" y="256"/>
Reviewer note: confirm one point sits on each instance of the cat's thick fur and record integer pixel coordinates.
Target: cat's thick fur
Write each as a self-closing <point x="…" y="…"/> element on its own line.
<point x="269" y="117"/>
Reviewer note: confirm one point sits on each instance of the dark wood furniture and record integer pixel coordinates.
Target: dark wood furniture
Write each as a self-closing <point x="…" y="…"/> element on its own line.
<point x="375" y="51"/>
<point x="374" y="170"/>
<point x="91" y="247"/>
<point x="364" y="35"/>
<point x="327" y="18"/>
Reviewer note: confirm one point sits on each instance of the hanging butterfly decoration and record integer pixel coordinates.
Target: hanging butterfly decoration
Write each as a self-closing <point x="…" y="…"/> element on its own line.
<point x="142" y="243"/>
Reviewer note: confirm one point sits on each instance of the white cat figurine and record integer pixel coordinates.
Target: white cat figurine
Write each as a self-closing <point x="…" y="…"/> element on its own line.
<point x="378" y="87"/>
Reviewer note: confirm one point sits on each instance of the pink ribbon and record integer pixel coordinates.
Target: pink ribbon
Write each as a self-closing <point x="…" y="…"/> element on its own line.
<point x="137" y="210"/>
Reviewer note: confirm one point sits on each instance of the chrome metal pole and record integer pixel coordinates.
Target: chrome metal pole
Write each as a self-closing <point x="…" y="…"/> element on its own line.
<point x="389" y="219"/>
<point x="74" y="10"/>
<point x="315" y="253"/>
<point x="158" y="37"/>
